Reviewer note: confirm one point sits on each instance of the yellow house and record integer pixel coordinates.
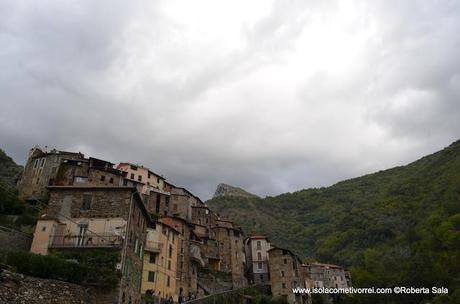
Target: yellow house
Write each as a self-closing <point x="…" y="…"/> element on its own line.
<point x="160" y="262"/>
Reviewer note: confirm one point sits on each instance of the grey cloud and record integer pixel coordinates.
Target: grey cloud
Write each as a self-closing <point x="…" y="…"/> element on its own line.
<point x="128" y="82"/>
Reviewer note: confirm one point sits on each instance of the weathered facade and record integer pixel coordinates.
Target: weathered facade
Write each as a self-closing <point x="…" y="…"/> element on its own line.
<point x="231" y="250"/>
<point x="182" y="202"/>
<point x="88" y="217"/>
<point x="187" y="262"/>
<point x="327" y="275"/>
<point x="141" y="174"/>
<point x="203" y="215"/>
<point x="286" y="274"/>
<point x="159" y="277"/>
<point x="40" y="171"/>
<point x="256" y="248"/>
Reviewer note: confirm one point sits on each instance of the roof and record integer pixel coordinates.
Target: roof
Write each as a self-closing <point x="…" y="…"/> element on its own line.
<point x="142" y="167"/>
<point x="256" y="237"/>
<point x="168" y="225"/>
<point x="323" y="265"/>
<point x="177" y="218"/>
<point x="289" y="251"/>
<point x="186" y="191"/>
<point x="55" y="152"/>
<point x="86" y="187"/>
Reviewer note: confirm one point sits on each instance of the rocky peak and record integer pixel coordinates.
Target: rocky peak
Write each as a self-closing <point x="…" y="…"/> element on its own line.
<point x="227" y="190"/>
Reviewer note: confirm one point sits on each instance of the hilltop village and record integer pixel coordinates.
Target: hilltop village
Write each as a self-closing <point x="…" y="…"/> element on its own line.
<point x="170" y="246"/>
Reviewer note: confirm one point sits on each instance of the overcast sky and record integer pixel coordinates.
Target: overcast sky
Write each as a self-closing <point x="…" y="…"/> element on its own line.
<point x="271" y="96"/>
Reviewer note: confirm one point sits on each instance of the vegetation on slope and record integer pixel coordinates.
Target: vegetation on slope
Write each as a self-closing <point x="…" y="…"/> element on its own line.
<point x="9" y="171"/>
<point x="398" y="227"/>
<point x="14" y="212"/>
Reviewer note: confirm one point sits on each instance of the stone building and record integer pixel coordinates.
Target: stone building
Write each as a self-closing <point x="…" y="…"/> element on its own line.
<point x="202" y="215"/>
<point x="285" y="274"/>
<point x="153" y="186"/>
<point x="91" y="171"/>
<point x="147" y="177"/>
<point x="159" y="277"/>
<point x="256" y="248"/>
<point x="40" y="171"/>
<point x="102" y="217"/>
<point x="231" y="250"/>
<point x="182" y="202"/>
<point x="327" y="275"/>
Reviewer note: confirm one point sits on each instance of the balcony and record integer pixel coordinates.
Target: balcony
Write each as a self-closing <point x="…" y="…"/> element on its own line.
<point x="153" y="246"/>
<point x="102" y="240"/>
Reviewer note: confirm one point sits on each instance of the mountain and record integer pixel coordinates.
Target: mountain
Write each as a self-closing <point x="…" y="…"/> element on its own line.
<point x="9" y="202"/>
<point x="397" y="227"/>
<point x="9" y="170"/>
<point x="224" y="190"/>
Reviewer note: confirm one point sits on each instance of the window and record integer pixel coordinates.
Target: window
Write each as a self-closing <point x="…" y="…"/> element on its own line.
<point x="259" y="256"/>
<point x="284" y="285"/>
<point x="285" y="261"/>
<point x="139" y="178"/>
<point x="102" y="178"/>
<point x="167" y="281"/>
<point x="259" y="265"/>
<point x="87" y="198"/>
<point x="151" y="277"/>
<point x="44" y="228"/>
<point x="111" y="180"/>
<point x="36" y="163"/>
<point x="42" y="162"/>
<point x="132" y="175"/>
<point x="153" y="258"/>
<point x="282" y="274"/>
<point x="125" y="182"/>
<point x="167" y="201"/>
<point x="170" y="250"/>
<point x="169" y="265"/>
<point x="38" y="180"/>
<point x="158" y="180"/>
<point x="259" y="245"/>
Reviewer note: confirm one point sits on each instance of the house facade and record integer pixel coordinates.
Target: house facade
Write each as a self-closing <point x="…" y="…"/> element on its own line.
<point x="256" y="250"/>
<point x="285" y="274"/>
<point x="84" y="218"/>
<point x="159" y="277"/>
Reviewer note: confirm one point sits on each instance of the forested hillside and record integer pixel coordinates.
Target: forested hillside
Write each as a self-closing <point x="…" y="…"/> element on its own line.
<point x="398" y="227"/>
<point x="9" y="170"/>
<point x="13" y="211"/>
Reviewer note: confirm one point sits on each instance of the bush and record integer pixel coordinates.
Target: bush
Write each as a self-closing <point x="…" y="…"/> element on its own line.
<point x="48" y="267"/>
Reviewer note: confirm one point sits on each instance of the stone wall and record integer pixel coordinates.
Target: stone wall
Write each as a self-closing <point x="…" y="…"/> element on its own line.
<point x="22" y="289"/>
<point x="18" y="288"/>
<point x="13" y="240"/>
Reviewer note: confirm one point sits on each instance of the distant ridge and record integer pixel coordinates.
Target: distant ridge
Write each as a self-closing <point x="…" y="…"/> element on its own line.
<point x="396" y="225"/>
<point x="227" y="190"/>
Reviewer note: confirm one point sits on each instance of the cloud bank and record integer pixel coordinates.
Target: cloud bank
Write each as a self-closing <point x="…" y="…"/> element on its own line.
<point x="272" y="96"/>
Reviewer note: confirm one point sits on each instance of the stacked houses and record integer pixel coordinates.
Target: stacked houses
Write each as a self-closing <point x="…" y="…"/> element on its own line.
<point x="163" y="235"/>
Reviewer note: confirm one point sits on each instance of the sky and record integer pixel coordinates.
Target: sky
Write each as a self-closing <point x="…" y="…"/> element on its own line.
<point x="272" y="96"/>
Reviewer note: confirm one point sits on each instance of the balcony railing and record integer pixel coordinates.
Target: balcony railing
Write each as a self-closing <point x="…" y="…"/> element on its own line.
<point x="102" y="240"/>
<point x="153" y="246"/>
